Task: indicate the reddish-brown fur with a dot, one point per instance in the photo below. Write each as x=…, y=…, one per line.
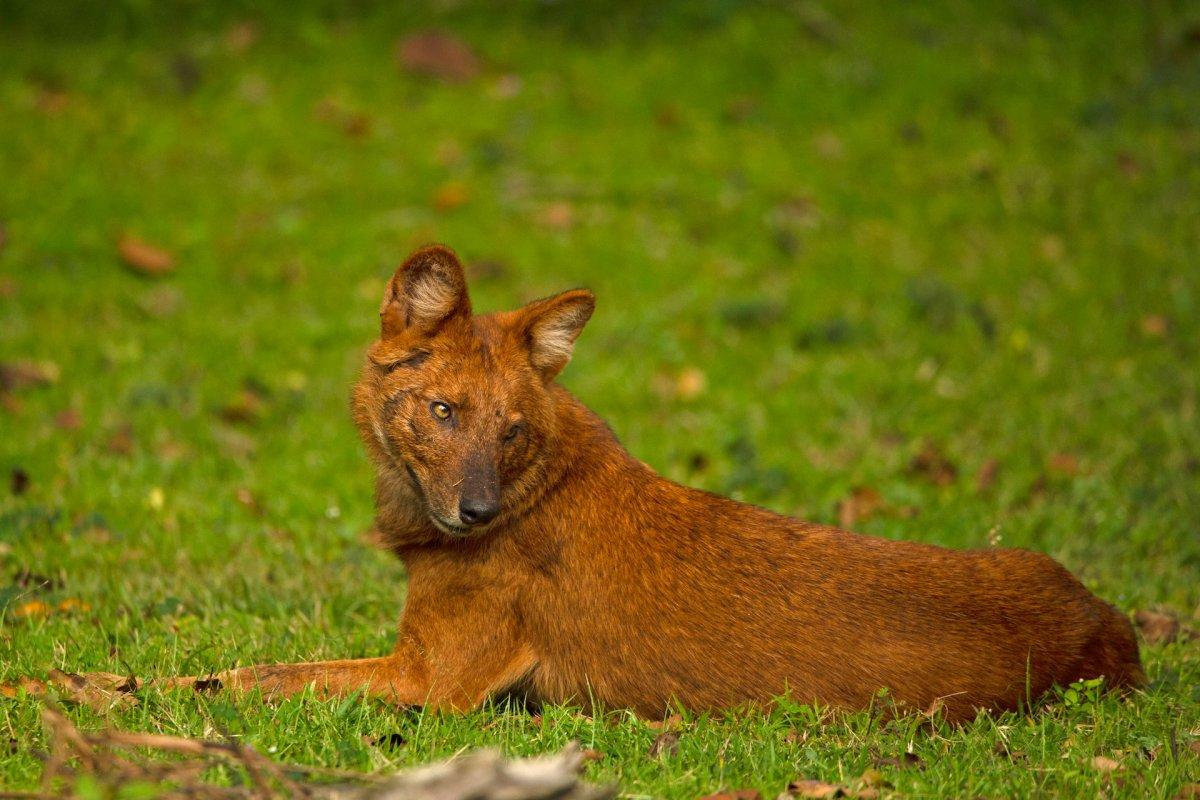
x=599, y=580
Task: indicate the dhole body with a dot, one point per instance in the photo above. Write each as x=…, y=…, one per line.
x=543, y=558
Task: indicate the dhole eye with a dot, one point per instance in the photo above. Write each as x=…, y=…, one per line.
x=440, y=410
x=512, y=431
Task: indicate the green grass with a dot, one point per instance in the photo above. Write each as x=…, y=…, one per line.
x=970, y=225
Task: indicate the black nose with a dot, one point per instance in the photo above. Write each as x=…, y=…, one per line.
x=477, y=511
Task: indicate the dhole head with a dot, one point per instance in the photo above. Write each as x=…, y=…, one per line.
x=458, y=406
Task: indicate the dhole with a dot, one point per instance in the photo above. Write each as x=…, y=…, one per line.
x=543, y=558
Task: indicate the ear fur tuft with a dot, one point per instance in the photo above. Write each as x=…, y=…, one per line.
x=552, y=326
x=428, y=289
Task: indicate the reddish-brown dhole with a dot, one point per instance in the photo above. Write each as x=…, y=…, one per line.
x=543, y=558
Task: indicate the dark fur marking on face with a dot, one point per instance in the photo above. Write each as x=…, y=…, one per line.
x=412, y=476
x=415, y=360
x=390, y=405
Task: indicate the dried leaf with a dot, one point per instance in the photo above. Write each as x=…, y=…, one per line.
x=734, y=794
x=872, y=777
x=1063, y=464
x=32, y=609
x=673, y=722
x=932, y=464
x=145, y=258
x=1157, y=627
x=485, y=270
x=246, y=498
x=905, y=759
x=863, y=503
x=1105, y=764
x=386, y=741
x=558, y=215
x=1189, y=791
x=69, y=419
x=1128, y=164
x=439, y=55
x=241, y=36
x=690, y=383
x=451, y=195
x=794, y=736
x=1155, y=326
x=17, y=375
x=18, y=481
x=31, y=687
x=73, y=605
x=34, y=581
x=121, y=442
x=592, y=754
x=986, y=477
x=815, y=789
x=247, y=407
x=665, y=744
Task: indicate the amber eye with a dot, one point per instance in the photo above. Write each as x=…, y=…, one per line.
x=440, y=410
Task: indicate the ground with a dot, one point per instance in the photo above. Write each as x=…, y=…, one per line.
x=931, y=272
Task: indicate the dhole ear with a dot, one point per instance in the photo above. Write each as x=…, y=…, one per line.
x=427, y=290
x=551, y=327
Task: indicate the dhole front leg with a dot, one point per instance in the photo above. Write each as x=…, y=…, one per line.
x=391, y=678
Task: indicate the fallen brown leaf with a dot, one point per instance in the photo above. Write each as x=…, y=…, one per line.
x=73, y=605
x=31, y=609
x=558, y=215
x=145, y=258
x=1157, y=627
x=734, y=794
x=665, y=744
x=35, y=581
x=814, y=789
x=871, y=777
x=1063, y=464
x=451, y=195
x=246, y=498
x=69, y=419
x=905, y=759
x=1105, y=764
x=986, y=477
x=690, y=383
x=31, y=686
x=1155, y=326
x=121, y=442
x=439, y=55
x=18, y=481
x=592, y=754
x=17, y=375
x=863, y=503
x=794, y=736
x=248, y=406
x=672, y=722
x=241, y=36
x=1128, y=163
x=932, y=464
x=1189, y=791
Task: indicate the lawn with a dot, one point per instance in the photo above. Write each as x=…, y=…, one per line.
x=932, y=272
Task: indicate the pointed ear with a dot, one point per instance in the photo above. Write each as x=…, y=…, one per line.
x=427, y=290
x=551, y=327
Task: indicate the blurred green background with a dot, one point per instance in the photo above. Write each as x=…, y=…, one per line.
x=930, y=271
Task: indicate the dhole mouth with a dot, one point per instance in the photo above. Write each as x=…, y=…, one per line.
x=448, y=527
